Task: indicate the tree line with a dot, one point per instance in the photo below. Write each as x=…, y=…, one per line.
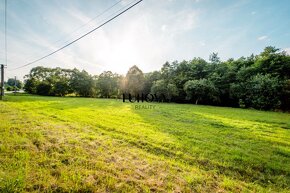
x=259, y=81
x=13, y=85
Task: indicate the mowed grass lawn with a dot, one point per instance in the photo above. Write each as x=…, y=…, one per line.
x=52, y=144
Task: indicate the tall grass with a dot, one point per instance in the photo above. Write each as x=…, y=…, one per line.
x=52, y=144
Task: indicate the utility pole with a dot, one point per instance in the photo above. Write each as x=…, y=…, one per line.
x=15, y=85
x=2, y=82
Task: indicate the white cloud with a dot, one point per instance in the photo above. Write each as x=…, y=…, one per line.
x=183, y=21
x=135, y=38
x=202, y=43
x=163, y=27
x=262, y=38
x=287, y=50
x=145, y=36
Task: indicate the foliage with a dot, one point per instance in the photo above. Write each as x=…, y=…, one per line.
x=285, y=95
x=134, y=81
x=201, y=90
x=150, y=78
x=59, y=82
x=9, y=88
x=260, y=92
x=30, y=85
x=160, y=87
x=44, y=88
x=62, y=88
x=107, y=84
x=11, y=83
x=214, y=82
x=82, y=83
x=273, y=62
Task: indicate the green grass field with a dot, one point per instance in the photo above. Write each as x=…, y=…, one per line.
x=51, y=144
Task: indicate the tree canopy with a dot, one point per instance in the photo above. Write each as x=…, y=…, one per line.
x=11, y=84
x=258, y=81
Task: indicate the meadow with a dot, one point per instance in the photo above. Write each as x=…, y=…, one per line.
x=71, y=144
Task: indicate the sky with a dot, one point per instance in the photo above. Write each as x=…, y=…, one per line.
x=148, y=35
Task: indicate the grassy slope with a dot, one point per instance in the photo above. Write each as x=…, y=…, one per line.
x=81, y=144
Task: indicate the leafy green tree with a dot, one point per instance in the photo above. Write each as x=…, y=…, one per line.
x=214, y=58
x=167, y=71
x=228, y=83
x=57, y=78
x=60, y=81
x=196, y=68
x=9, y=88
x=44, y=88
x=160, y=87
x=107, y=84
x=30, y=85
x=285, y=95
x=11, y=83
x=201, y=90
x=260, y=92
x=214, y=62
x=150, y=78
x=273, y=61
x=61, y=88
x=83, y=84
x=134, y=81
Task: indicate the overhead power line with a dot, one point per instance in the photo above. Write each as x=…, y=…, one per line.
x=109, y=20
x=111, y=15
x=70, y=33
x=101, y=21
x=89, y=21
